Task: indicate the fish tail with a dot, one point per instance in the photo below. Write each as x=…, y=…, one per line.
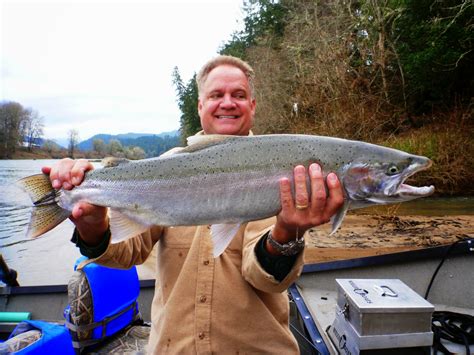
x=46, y=213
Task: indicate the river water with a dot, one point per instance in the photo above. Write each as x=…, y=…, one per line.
x=45, y=260
x=50, y=258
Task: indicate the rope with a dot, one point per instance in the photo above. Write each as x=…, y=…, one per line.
x=454, y=327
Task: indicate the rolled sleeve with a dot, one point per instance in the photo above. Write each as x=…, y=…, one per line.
x=133, y=251
x=91, y=251
x=276, y=265
x=253, y=271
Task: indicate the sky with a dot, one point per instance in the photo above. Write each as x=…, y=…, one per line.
x=105, y=66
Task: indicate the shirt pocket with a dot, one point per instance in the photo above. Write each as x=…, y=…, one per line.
x=178, y=237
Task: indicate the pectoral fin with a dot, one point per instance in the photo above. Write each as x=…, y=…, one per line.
x=337, y=219
x=123, y=227
x=222, y=235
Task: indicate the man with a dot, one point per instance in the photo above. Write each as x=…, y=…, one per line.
x=235, y=303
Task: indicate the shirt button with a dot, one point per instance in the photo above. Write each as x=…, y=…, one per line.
x=206, y=262
x=201, y=335
x=202, y=299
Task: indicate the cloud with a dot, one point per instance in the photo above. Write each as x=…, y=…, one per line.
x=106, y=67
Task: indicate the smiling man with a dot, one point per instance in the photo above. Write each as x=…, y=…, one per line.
x=237, y=302
x=226, y=103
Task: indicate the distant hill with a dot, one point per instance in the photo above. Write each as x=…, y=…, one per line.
x=152, y=144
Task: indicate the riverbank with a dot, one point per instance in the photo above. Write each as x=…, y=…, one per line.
x=38, y=153
x=368, y=235
x=21, y=154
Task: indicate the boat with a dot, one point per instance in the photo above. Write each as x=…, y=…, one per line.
x=442, y=275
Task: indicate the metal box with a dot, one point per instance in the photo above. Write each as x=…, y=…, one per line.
x=379, y=314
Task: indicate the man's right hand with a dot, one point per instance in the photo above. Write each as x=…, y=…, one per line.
x=91, y=221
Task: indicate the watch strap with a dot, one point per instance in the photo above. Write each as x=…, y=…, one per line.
x=293, y=247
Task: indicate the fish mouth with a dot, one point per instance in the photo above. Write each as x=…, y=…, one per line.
x=405, y=190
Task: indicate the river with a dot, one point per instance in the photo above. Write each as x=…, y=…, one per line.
x=50, y=258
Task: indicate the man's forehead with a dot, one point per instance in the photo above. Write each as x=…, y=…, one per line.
x=226, y=72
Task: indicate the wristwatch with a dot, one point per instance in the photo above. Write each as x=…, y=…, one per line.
x=293, y=247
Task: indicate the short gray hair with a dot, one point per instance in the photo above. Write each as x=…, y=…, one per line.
x=225, y=60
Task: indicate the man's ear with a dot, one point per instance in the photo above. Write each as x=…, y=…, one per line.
x=199, y=106
x=254, y=104
x=253, y=107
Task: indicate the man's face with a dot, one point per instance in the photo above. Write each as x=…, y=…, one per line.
x=225, y=105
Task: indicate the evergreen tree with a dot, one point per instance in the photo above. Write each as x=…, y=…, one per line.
x=435, y=43
x=188, y=104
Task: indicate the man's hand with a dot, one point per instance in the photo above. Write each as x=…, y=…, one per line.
x=91, y=221
x=307, y=208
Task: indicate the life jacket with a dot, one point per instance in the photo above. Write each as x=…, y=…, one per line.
x=114, y=298
x=55, y=338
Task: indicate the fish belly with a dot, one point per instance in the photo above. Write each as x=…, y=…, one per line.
x=230, y=197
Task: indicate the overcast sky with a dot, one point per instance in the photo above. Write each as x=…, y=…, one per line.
x=106, y=66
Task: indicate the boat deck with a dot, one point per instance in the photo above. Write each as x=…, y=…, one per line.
x=315, y=293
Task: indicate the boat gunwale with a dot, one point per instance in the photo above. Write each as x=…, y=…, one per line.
x=460, y=247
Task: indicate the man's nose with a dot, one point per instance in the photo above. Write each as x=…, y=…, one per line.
x=227, y=102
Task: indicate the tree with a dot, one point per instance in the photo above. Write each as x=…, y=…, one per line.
x=264, y=20
x=73, y=139
x=50, y=146
x=134, y=153
x=188, y=104
x=12, y=116
x=99, y=146
x=31, y=128
x=434, y=41
x=115, y=148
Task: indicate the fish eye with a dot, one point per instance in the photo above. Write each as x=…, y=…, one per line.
x=392, y=170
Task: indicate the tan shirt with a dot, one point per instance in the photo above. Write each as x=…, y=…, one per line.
x=202, y=305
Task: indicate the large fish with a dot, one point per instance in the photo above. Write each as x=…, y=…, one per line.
x=225, y=181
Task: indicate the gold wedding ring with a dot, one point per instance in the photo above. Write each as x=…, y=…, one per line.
x=301, y=207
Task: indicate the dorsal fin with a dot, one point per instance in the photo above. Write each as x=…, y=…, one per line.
x=199, y=142
x=172, y=151
x=109, y=162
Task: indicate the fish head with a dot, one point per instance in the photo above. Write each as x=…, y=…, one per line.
x=383, y=182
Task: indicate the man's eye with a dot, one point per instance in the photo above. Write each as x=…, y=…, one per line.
x=214, y=96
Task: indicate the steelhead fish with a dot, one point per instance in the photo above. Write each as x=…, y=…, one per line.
x=225, y=181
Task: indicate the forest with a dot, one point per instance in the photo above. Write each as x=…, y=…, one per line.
x=393, y=72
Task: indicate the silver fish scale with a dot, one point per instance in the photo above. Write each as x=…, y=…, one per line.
x=232, y=181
